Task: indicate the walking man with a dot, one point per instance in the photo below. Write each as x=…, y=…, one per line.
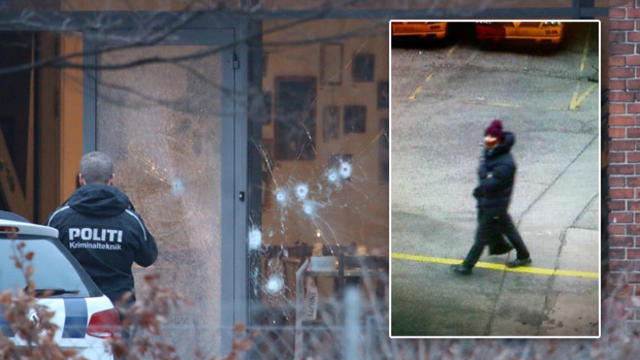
x=102, y=230
x=496, y=175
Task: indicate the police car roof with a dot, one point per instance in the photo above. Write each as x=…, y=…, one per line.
x=25, y=228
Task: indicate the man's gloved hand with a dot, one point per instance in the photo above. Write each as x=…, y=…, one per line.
x=477, y=192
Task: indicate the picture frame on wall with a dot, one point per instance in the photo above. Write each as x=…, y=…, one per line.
x=330, y=123
x=362, y=67
x=355, y=119
x=295, y=118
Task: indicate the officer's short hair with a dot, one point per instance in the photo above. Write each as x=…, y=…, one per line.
x=96, y=168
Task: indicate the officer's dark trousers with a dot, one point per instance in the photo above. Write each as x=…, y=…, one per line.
x=492, y=224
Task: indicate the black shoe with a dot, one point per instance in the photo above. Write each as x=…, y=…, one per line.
x=461, y=269
x=519, y=262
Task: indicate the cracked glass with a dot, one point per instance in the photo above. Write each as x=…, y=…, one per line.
x=161, y=125
x=324, y=174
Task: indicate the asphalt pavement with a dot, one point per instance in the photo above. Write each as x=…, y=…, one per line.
x=443, y=96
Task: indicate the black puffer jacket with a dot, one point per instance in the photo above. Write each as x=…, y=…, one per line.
x=101, y=229
x=496, y=176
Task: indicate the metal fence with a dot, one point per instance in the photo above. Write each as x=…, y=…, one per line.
x=322, y=342
x=348, y=333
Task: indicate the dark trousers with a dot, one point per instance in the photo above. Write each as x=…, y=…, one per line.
x=124, y=331
x=492, y=224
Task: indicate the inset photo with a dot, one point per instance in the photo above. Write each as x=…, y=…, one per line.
x=495, y=133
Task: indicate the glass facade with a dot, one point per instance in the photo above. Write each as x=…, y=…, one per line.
x=161, y=124
x=326, y=195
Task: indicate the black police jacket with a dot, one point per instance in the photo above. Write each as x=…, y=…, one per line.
x=102, y=230
x=496, y=175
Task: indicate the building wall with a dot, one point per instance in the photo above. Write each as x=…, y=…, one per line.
x=71, y=119
x=144, y=5
x=47, y=181
x=124, y=5
x=623, y=156
x=423, y=4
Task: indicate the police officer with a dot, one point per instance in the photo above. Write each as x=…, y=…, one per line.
x=496, y=175
x=102, y=230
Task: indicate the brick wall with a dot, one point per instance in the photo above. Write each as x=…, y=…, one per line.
x=623, y=155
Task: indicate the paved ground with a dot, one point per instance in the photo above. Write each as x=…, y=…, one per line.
x=443, y=97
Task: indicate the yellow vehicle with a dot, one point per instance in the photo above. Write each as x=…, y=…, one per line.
x=429, y=30
x=538, y=31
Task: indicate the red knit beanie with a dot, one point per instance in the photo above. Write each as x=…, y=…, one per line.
x=495, y=130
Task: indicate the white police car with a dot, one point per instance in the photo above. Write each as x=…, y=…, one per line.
x=84, y=316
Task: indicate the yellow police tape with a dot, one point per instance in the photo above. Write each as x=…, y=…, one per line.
x=494, y=266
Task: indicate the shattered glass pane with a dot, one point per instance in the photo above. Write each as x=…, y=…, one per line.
x=163, y=132
x=331, y=204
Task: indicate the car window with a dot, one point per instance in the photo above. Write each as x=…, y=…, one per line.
x=54, y=268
